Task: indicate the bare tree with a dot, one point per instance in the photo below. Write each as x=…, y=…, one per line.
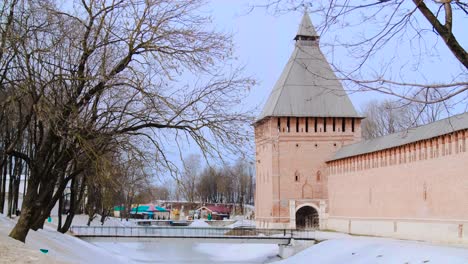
x=242, y=178
x=208, y=185
x=384, y=117
x=190, y=176
x=161, y=192
x=88, y=78
x=226, y=184
x=392, y=42
x=390, y=116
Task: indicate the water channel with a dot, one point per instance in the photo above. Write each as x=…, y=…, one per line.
x=180, y=251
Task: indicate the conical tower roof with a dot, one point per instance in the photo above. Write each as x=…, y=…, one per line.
x=306, y=28
x=308, y=86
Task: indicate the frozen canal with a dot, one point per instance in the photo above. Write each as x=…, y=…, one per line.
x=180, y=251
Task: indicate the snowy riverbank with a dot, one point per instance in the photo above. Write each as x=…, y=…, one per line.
x=367, y=250
x=337, y=249
x=12, y=251
x=62, y=248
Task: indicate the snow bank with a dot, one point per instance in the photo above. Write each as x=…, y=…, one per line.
x=199, y=223
x=242, y=223
x=62, y=247
x=359, y=250
x=12, y=251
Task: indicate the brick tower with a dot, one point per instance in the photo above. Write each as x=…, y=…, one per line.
x=307, y=118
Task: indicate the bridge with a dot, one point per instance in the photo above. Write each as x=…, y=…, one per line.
x=198, y=234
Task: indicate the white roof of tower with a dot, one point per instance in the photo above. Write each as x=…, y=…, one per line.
x=308, y=85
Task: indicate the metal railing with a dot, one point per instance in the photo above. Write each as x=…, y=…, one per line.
x=191, y=232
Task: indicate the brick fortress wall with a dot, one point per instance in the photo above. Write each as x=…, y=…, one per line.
x=414, y=191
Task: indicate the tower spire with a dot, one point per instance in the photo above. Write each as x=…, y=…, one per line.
x=306, y=30
x=308, y=87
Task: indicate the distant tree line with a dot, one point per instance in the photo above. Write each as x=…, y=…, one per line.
x=383, y=117
x=225, y=184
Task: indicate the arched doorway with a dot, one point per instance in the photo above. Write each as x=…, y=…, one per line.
x=307, y=218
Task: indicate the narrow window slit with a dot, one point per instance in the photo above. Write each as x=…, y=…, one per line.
x=297, y=124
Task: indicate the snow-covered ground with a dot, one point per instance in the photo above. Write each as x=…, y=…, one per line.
x=199, y=223
x=242, y=222
x=367, y=250
x=12, y=251
x=61, y=247
x=238, y=223
x=338, y=249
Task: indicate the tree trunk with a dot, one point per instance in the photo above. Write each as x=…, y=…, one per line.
x=2, y=192
x=2, y=175
x=10, y=187
x=47, y=203
x=37, y=203
x=68, y=222
x=26, y=178
x=52, y=188
x=19, y=170
x=59, y=216
x=90, y=219
x=22, y=227
x=75, y=202
x=104, y=214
